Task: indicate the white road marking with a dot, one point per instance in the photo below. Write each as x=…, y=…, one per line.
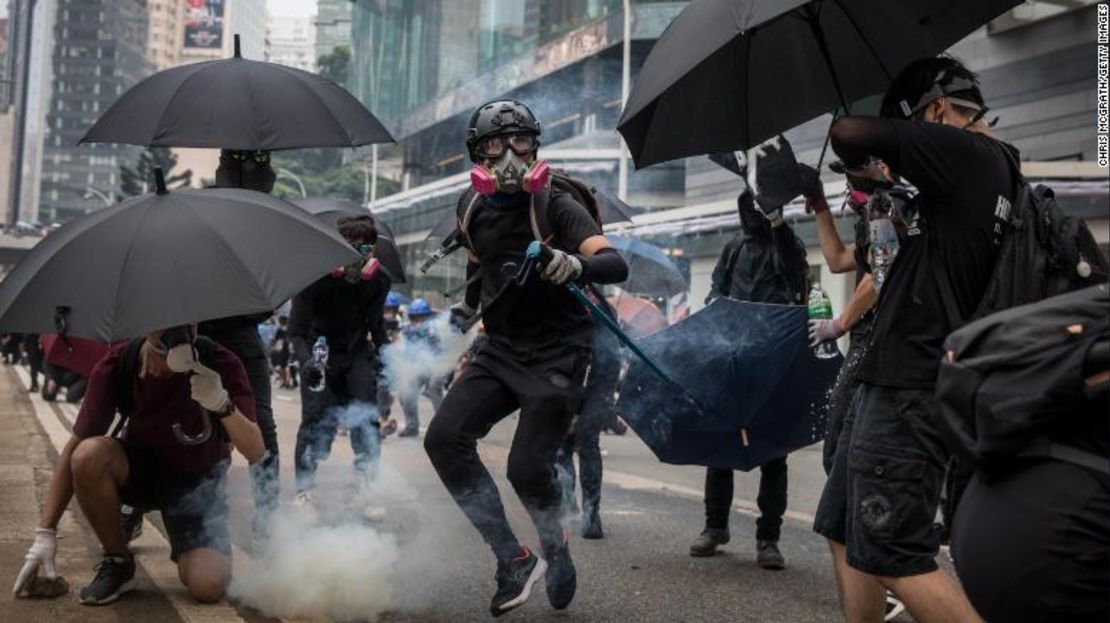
x=153, y=550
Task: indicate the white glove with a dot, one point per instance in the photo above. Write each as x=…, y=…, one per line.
x=41, y=554
x=562, y=268
x=825, y=330
x=207, y=389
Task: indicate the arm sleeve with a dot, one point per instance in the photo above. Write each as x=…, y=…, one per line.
x=98, y=407
x=473, y=295
x=376, y=318
x=300, y=324
x=719, y=279
x=935, y=158
x=605, y=266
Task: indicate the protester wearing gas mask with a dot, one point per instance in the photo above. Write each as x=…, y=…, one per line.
x=765, y=263
x=184, y=403
x=881, y=498
x=538, y=347
x=328, y=328
x=251, y=170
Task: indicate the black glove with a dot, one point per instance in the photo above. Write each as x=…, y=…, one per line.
x=312, y=374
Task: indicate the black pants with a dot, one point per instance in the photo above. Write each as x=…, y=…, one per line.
x=547, y=390
x=771, y=499
x=596, y=411
x=349, y=398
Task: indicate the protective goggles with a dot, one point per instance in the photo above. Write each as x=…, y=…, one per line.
x=364, y=249
x=260, y=156
x=493, y=147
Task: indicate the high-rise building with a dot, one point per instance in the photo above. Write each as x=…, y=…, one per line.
x=333, y=25
x=290, y=40
x=99, y=51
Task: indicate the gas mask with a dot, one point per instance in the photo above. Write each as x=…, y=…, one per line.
x=510, y=174
x=245, y=169
x=176, y=345
x=359, y=270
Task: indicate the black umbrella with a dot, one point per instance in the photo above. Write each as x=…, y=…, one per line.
x=650, y=271
x=166, y=259
x=237, y=104
x=730, y=74
x=330, y=210
x=760, y=392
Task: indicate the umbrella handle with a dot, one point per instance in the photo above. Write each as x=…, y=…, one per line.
x=186, y=439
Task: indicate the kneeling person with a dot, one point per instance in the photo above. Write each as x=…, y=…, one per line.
x=168, y=458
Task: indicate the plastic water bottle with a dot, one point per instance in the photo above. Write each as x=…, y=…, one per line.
x=882, y=236
x=820, y=308
x=320, y=361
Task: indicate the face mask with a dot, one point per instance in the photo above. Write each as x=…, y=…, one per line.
x=510, y=174
x=362, y=270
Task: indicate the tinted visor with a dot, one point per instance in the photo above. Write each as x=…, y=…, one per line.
x=493, y=147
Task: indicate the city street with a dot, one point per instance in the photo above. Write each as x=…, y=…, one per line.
x=641, y=571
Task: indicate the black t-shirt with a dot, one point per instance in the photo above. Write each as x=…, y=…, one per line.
x=539, y=315
x=341, y=311
x=962, y=178
x=762, y=268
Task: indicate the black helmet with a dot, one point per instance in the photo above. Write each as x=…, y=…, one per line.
x=499, y=117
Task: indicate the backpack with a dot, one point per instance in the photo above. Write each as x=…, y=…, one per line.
x=127, y=367
x=1043, y=252
x=1012, y=379
x=539, y=202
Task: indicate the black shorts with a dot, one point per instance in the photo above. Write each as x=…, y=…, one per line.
x=193, y=505
x=881, y=498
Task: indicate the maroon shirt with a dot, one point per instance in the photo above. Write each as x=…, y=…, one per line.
x=159, y=403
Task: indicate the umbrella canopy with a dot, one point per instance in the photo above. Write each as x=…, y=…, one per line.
x=650, y=271
x=761, y=391
x=730, y=74
x=166, y=259
x=73, y=353
x=637, y=316
x=237, y=104
x=330, y=210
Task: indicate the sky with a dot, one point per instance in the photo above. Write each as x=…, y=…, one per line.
x=298, y=8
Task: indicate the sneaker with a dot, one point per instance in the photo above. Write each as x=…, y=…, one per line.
x=115, y=575
x=409, y=432
x=894, y=607
x=515, y=580
x=131, y=522
x=561, y=578
x=768, y=556
x=707, y=542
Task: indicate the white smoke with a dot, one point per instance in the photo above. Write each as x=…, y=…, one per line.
x=407, y=364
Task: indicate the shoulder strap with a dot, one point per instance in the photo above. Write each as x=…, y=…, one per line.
x=124, y=378
x=1068, y=454
x=540, y=217
x=467, y=216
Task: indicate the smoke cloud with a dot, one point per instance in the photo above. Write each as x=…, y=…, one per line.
x=409, y=363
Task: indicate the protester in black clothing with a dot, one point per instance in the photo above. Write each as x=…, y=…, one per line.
x=597, y=409
x=536, y=356
x=32, y=348
x=880, y=501
x=251, y=170
x=766, y=263
x=343, y=308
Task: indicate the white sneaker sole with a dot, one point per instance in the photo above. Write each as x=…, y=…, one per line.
x=537, y=575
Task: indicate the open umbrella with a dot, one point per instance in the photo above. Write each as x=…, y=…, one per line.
x=650, y=271
x=330, y=210
x=760, y=390
x=235, y=103
x=730, y=74
x=166, y=259
x=73, y=353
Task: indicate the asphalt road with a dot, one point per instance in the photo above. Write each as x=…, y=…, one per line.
x=424, y=562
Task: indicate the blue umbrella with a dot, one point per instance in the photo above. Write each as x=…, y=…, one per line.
x=650, y=271
x=760, y=392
